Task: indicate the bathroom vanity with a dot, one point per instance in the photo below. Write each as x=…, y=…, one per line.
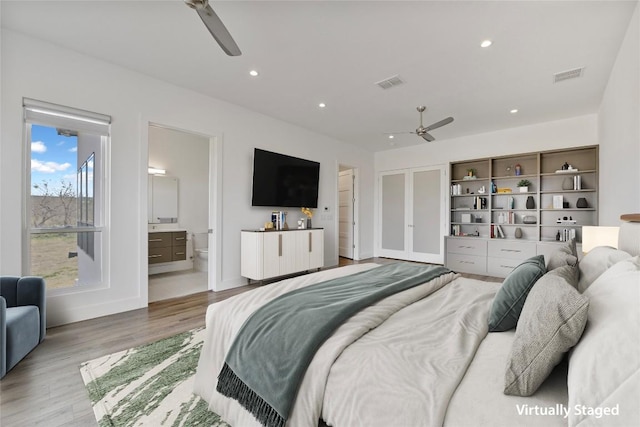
x=168, y=251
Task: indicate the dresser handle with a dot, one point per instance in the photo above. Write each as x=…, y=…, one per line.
x=279, y=244
x=179, y=253
x=155, y=256
x=510, y=250
x=155, y=240
x=507, y=266
x=179, y=238
x=310, y=241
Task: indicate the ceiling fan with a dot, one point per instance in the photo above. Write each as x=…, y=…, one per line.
x=424, y=131
x=215, y=26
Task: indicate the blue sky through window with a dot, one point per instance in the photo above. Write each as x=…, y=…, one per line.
x=53, y=158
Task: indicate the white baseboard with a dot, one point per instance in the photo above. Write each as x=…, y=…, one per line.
x=59, y=313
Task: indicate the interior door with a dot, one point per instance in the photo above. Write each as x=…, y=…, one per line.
x=427, y=214
x=346, y=211
x=412, y=214
x=393, y=214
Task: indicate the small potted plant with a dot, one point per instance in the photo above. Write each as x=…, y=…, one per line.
x=523, y=185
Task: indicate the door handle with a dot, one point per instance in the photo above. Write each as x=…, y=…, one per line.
x=310, y=241
x=279, y=244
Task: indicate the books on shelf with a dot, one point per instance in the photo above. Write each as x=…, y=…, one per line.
x=507, y=217
x=497, y=232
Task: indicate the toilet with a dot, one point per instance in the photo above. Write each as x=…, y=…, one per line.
x=201, y=251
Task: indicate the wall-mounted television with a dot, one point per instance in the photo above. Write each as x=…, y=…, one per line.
x=284, y=181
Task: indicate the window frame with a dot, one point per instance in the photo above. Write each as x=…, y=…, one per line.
x=100, y=186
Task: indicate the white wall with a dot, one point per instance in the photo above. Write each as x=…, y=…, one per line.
x=39, y=70
x=619, y=131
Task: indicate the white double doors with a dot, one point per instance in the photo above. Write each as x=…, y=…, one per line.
x=412, y=221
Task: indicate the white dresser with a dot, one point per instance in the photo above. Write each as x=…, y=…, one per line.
x=494, y=257
x=268, y=254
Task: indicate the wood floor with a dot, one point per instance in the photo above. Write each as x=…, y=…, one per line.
x=46, y=389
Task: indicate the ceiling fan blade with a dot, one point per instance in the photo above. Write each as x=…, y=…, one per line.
x=427, y=137
x=218, y=30
x=441, y=123
x=397, y=133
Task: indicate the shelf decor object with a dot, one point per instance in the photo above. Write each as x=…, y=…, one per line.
x=531, y=204
x=515, y=223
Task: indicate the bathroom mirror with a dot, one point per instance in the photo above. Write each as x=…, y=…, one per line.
x=163, y=199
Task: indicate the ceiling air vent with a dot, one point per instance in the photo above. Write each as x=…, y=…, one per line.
x=569, y=74
x=390, y=82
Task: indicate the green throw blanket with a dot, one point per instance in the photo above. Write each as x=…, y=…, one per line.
x=269, y=357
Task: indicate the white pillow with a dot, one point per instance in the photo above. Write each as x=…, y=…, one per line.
x=604, y=367
x=596, y=262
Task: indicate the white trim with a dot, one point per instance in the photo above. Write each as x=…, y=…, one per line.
x=215, y=204
x=406, y=252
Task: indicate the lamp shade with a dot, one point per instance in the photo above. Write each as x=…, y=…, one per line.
x=593, y=236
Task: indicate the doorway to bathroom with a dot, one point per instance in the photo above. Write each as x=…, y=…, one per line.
x=179, y=220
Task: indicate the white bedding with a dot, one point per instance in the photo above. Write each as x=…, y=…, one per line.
x=430, y=342
x=479, y=399
x=426, y=347
x=225, y=319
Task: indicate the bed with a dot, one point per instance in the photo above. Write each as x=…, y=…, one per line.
x=425, y=356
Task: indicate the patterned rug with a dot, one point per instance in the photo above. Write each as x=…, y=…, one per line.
x=150, y=385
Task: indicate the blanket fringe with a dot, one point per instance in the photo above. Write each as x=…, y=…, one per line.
x=231, y=386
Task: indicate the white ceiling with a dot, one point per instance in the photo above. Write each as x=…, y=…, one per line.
x=334, y=51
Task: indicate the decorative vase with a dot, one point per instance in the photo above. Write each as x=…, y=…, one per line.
x=518, y=233
x=582, y=203
x=567, y=183
x=531, y=204
x=308, y=222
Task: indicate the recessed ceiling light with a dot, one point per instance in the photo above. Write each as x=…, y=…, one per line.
x=515, y=110
x=322, y=105
x=486, y=43
x=390, y=136
x=253, y=73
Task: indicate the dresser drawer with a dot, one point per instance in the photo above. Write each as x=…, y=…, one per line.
x=501, y=267
x=159, y=240
x=179, y=253
x=467, y=246
x=158, y=255
x=467, y=263
x=511, y=249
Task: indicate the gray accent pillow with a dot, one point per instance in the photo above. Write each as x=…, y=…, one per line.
x=567, y=273
x=552, y=321
x=508, y=303
x=566, y=254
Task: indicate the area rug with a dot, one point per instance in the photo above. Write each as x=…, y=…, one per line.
x=150, y=385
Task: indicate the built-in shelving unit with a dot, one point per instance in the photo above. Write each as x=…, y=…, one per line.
x=487, y=203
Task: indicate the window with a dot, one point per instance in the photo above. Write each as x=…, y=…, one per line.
x=65, y=194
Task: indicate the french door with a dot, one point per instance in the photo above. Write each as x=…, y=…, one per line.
x=412, y=214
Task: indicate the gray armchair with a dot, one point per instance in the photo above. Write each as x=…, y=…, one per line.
x=23, y=318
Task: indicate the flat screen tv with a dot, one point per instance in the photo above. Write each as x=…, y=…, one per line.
x=284, y=181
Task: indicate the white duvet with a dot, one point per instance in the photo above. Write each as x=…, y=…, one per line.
x=396, y=363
